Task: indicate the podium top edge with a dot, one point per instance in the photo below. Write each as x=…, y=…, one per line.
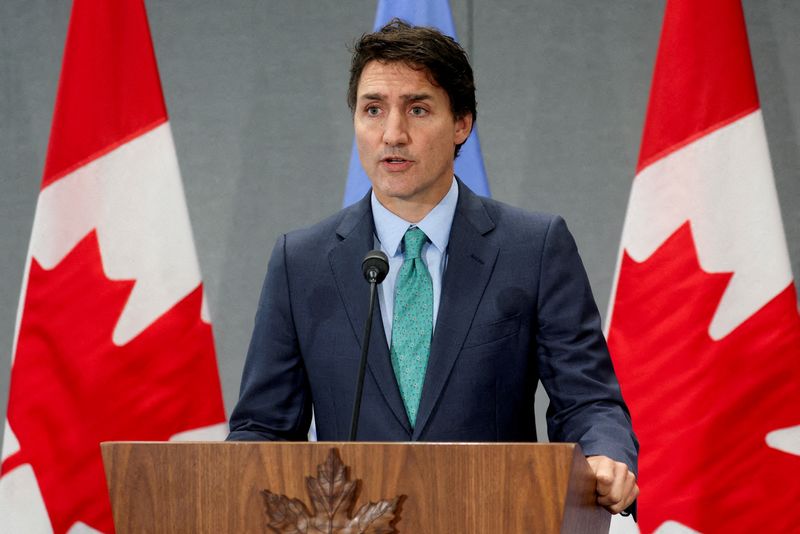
x=341, y=443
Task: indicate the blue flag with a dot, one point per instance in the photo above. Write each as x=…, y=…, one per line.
x=469, y=163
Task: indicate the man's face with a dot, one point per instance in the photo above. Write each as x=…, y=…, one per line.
x=406, y=134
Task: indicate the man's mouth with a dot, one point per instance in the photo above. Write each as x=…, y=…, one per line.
x=396, y=163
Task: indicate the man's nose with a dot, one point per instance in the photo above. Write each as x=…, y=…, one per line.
x=395, y=131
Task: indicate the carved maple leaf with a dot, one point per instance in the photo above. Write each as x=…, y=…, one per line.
x=332, y=498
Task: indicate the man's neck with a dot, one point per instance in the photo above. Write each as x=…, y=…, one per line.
x=413, y=210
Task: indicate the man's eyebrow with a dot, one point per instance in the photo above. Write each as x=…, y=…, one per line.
x=371, y=96
x=415, y=97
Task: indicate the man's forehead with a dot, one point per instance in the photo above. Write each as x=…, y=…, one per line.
x=380, y=75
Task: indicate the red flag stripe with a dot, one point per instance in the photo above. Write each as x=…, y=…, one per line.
x=109, y=91
x=701, y=80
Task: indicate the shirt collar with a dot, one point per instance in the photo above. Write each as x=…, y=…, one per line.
x=390, y=228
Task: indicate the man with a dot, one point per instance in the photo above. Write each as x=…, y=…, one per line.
x=482, y=299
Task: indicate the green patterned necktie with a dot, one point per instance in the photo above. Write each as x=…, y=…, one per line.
x=412, y=323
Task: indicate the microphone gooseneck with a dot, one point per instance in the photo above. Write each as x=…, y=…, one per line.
x=375, y=268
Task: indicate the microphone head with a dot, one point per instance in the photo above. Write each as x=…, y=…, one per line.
x=375, y=266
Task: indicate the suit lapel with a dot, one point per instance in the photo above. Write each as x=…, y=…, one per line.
x=470, y=261
x=356, y=238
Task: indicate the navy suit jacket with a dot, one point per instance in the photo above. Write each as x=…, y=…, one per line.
x=516, y=307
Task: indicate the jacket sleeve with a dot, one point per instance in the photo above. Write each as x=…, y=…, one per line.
x=575, y=367
x=274, y=399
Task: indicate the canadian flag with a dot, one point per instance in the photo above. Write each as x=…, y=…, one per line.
x=704, y=327
x=113, y=340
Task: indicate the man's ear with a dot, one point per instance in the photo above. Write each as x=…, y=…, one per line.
x=463, y=127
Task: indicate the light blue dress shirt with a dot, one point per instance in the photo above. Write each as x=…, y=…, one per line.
x=389, y=231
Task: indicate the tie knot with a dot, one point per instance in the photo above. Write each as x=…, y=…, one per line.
x=413, y=240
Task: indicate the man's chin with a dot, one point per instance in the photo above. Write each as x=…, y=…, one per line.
x=395, y=194
x=401, y=186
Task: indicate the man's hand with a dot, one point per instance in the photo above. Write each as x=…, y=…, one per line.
x=616, y=484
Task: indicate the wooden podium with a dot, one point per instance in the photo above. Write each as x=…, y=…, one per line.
x=417, y=488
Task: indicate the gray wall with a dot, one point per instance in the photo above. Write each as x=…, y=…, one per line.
x=255, y=91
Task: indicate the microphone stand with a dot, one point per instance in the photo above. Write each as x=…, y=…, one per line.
x=372, y=278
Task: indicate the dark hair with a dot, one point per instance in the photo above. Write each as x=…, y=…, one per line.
x=421, y=48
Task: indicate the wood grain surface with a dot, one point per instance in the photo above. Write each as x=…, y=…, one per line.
x=447, y=488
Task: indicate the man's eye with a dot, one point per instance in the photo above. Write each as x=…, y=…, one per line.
x=418, y=111
x=373, y=111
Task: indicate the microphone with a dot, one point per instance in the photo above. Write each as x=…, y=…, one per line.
x=375, y=267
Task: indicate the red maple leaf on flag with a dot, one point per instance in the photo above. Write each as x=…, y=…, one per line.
x=72, y=388
x=704, y=460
